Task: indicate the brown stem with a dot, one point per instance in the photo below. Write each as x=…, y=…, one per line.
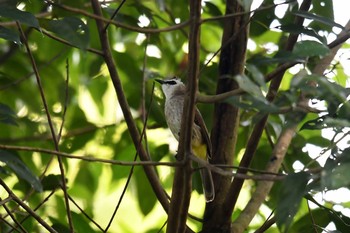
x=182, y=185
x=226, y=116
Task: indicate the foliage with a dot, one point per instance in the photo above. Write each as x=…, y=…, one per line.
x=71, y=159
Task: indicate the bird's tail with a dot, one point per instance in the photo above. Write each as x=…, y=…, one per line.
x=208, y=184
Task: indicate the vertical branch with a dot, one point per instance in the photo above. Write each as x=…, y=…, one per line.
x=52, y=129
x=182, y=185
x=226, y=116
x=135, y=135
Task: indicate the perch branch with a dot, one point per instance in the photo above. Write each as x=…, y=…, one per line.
x=182, y=185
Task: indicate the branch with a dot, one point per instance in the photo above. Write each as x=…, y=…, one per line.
x=99, y=17
x=228, y=16
x=182, y=186
x=134, y=133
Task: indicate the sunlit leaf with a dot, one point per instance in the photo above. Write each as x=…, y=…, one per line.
x=20, y=169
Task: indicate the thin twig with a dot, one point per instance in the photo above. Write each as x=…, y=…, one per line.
x=52, y=129
x=118, y=24
x=65, y=105
x=18, y=224
x=27, y=208
x=114, y=14
x=85, y=214
x=143, y=134
x=91, y=159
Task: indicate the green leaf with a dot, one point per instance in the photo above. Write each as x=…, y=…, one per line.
x=247, y=85
x=261, y=20
x=21, y=170
x=7, y=115
x=10, y=35
x=257, y=76
x=297, y=29
x=81, y=224
x=71, y=29
x=51, y=182
x=253, y=103
x=144, y=192
x=336, y=171
x=318, y=18
x=305, y=223
x=325, y=9
x=21, y=16
x=310, y=49
x=292, y=191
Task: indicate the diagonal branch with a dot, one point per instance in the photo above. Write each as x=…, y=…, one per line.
x=134, y=133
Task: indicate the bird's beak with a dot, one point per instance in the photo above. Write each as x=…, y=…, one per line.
x=159, y=81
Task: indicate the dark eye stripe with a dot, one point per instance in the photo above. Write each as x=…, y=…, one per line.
x=170, y=82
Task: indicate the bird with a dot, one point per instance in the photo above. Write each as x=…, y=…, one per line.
x=174, y=91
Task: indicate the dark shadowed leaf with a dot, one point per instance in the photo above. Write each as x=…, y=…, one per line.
x=71, y=29
x=10, y=35
x=336, y=171
x=7, y=115
x=292, y=191
x=21, y=170
x=305, y=223
x=319, y=18
x=261, y=20
x=21, y=16
x=51, y=182
x=292, y=28
x=310, y=49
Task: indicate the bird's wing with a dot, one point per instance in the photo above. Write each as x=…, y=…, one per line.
x=198, y=120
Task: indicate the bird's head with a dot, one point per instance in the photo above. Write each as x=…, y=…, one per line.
x=171, y=86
